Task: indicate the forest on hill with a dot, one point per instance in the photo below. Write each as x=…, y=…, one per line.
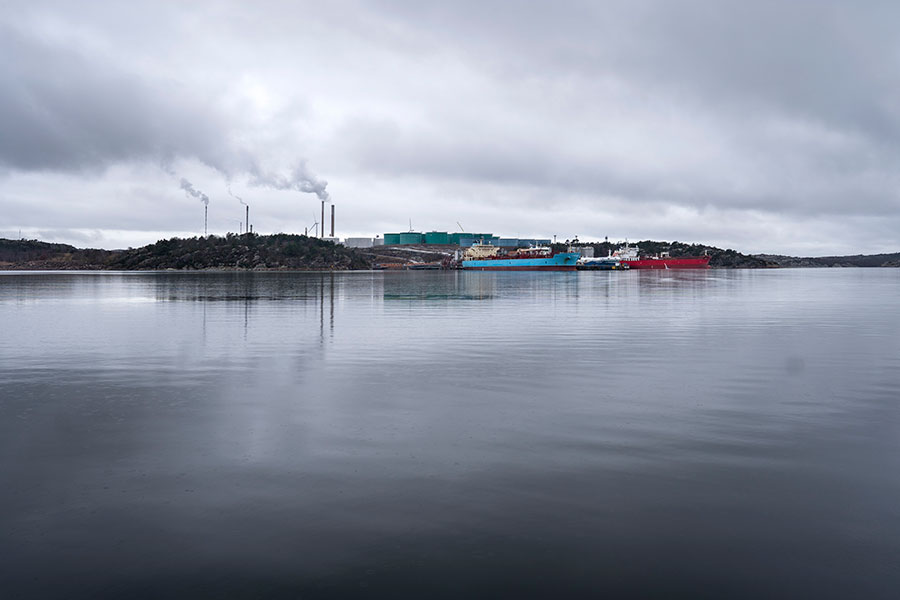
x=244, y=252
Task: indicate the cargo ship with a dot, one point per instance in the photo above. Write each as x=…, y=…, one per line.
x=484, y=257
x=629, y=255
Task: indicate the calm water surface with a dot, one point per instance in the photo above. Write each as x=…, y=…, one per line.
x=646, y=434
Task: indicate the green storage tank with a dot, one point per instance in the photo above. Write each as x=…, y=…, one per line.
x=411, y=238
x=437, y=237
x=457, y=236
x=391, y=239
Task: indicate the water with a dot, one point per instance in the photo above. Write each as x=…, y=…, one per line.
x=427, y=434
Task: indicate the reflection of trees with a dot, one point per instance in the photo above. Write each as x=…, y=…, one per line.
x=247, y=289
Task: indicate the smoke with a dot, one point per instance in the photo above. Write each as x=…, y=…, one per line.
x=300, y=180
x=190, y=191
x=239, y=199
x=305, y=181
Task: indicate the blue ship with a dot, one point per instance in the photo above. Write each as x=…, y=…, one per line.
x=526, y=261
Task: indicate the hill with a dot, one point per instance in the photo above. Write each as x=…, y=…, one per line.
x=34, y=254
x=729, y=258
x=247, y=251
x=858, y=260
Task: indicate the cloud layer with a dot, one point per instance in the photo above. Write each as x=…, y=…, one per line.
x=763, y=126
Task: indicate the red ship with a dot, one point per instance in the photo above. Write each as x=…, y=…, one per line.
x=629, y=256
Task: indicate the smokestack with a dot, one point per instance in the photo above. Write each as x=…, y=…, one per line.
x=323, y=220
x=332, y=220
x=189, y=190
x=247, y=227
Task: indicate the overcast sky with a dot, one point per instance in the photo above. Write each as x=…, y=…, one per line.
x=764, y=126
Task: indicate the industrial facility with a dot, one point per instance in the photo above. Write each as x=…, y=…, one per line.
x=462, y=239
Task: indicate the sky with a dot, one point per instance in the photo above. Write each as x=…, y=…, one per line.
x=765, y=126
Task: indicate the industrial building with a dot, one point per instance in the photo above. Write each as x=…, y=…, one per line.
x=358, y=242
x=441, y=238
x=463, y=239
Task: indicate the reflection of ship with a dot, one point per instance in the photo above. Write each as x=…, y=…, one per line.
x=629, y=256
x=484, y=257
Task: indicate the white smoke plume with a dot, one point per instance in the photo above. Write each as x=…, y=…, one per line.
x=300, y=180
x=189, y=190
x=233, y=195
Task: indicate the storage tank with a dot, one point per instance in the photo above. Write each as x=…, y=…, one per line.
x=411, y=238
x=437, y=237
x=391, y=238
x=470, y=238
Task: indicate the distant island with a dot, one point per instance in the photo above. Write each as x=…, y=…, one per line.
x=299, y=252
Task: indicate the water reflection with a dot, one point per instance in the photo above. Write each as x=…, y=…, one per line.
x=452, y=285
x=300, y=434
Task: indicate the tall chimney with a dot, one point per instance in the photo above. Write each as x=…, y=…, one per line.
x=322, y=231
x=247, y=226
x=332, y=220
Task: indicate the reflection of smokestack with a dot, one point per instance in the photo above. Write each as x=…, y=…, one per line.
x=323, y=220
x=332, y=220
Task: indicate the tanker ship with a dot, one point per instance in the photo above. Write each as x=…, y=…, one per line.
x=629, y=256
x=484, y=257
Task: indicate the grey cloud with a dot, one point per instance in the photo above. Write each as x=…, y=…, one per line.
x=786, y=109
x=829, y=59
x=797, y=178
x=61, y=109
x=830, y=65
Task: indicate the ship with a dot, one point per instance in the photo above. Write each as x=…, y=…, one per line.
x=485, y=257
x=605, y=263
x=629, y=255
